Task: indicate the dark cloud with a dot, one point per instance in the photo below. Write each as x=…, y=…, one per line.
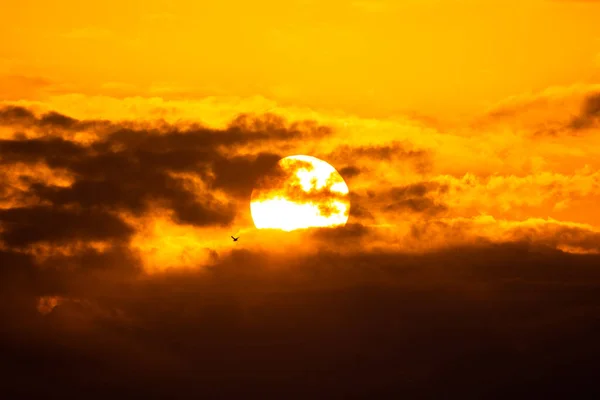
x=341, y=235
x=137, y=191
x=131, y=168
x=521, y=320
x=56, y=119
x=56, y=152
x=359, y=207
x=278, y=126
x=350, y=172
x=554, y=236
x=590, y=113
x=242, y=130
x=396, y=151
x=551, y=113
x=359, y=158
x=417, y=198
x=239, y=175
x=10, y=115
x=16, y=270
x=25, y=226
x=23, y=117
x=417, y=205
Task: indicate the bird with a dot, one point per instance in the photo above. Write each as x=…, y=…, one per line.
x=235, y=239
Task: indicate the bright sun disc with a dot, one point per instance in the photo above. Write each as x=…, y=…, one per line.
x=301, y=192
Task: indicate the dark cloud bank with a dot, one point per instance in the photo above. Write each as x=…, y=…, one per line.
x=517, y=320
x=589, y=115
x=488, y=322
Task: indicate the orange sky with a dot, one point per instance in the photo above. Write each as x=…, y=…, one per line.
x=369, y=58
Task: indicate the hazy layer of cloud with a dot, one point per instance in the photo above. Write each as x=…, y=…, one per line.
x=554, y=111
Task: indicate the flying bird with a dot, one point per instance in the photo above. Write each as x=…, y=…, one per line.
x=235, y=239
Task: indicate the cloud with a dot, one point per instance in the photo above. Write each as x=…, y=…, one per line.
x=394, y=152
x=349, y=172
x=240, y=174
x=414, y=198
x=555, y=111
x=128, y=169
x=543, y=193
x=11, y=115
x=590, y=113
x=56, y=152
x=364, y=316
x=459, y=231
x=117, y=272
x=24, y=226
x=63, y=195
x=343, y=235
x=359, y=208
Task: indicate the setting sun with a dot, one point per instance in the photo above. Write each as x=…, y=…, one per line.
x=302, y=192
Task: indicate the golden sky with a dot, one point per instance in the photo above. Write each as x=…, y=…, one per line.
x=132, y=134
x=369, y=58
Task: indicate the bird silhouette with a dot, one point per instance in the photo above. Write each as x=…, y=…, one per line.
x=235, y=239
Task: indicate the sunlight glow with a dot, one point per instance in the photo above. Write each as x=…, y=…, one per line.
x=279, y=213
x=272, y=208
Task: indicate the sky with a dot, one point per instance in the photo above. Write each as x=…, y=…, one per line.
x=132, y=136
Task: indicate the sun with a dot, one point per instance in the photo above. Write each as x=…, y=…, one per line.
x=300, y=192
